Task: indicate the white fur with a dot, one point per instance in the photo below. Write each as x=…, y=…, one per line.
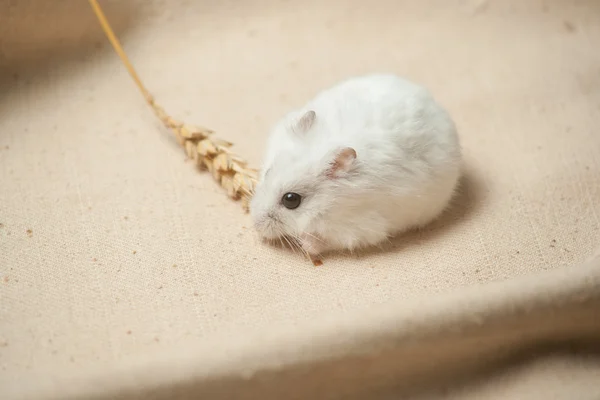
x=405, y=173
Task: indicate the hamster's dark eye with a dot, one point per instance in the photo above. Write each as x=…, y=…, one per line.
x=291, y=200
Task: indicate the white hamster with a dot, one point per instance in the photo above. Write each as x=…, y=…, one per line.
x=364, y=160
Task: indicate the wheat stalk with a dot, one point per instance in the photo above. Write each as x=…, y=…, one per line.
x=209, y=153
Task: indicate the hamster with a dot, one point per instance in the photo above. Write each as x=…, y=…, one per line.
x=363, y=161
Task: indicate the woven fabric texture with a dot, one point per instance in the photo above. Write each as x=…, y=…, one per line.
x=126, y=273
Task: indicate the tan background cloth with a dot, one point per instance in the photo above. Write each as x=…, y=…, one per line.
x=123, y=269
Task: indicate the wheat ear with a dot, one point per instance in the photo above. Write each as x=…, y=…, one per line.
x=199, y=143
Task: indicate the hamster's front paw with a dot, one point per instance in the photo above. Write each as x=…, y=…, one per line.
x=311, y=244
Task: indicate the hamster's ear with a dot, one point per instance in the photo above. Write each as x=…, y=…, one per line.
x=341, y=163
x=305, y=122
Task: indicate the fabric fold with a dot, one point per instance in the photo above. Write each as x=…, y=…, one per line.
x=405, y=346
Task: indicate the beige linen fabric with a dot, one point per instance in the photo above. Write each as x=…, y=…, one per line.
x=125, y=273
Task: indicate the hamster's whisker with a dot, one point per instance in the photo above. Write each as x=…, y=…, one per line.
x=295, y=243
x=295, y=240
x=314, y=237
x=283, y=237
x=304, y=251
x=290, y=244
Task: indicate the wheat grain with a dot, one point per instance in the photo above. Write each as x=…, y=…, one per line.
x=209, y=153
